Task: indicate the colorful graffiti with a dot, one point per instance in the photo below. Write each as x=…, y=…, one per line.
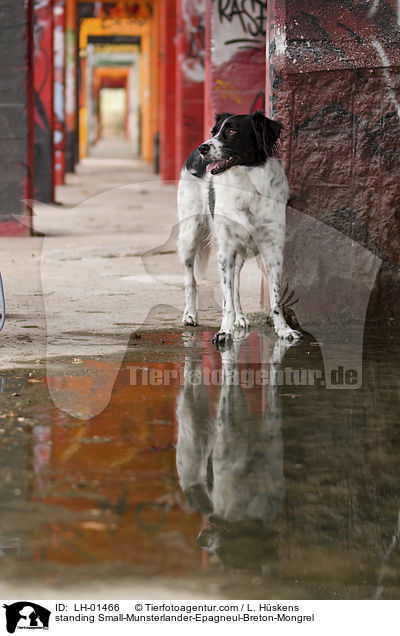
x=43, y=100
x=237, y=55
x=120, y=10
x=238, y=26
x=193, y=14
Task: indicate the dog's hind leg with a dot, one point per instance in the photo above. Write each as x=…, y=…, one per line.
x=273, y=262
x=241, y=321
x=187, y=245
x=193, y=250
x=193, y=236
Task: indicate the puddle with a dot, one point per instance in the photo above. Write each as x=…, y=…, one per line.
x=238, y=472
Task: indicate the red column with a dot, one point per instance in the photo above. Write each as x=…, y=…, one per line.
x=209, y=116
x=167, y=89
x=70, y=85
x=43, y=95
x=59, y=88
x=189, y=78
x=235, y=60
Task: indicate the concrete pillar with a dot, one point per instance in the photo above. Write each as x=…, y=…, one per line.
x=16, y=110
x=167, y=89
x=70, y=85
x=334, y=83
x=59, y=91
x=235, y=58
x=189, y=103
x=44, y=87
x=133, y=104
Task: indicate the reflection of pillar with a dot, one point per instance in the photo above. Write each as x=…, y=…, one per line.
x=70, y=84
x=189, y=78
x=167, y=89
x=235, y=60
x=16, y=114
x=59, y=87
x=43, y=88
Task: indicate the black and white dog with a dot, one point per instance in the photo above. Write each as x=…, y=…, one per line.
x=233, y=188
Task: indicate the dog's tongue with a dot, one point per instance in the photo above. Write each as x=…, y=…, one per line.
x=215, y=164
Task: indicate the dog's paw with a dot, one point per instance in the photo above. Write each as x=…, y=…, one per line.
x=222, y=340
x=241, y=323
x=289, y=334
x=189, y=319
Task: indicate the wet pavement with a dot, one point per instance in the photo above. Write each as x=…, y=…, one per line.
x=210, y=474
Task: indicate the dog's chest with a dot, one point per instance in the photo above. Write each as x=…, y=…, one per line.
x=250, y=194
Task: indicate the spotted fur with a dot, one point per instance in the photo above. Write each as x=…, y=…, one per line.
x=233, y=188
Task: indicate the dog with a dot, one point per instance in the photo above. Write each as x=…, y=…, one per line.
x=233, y=188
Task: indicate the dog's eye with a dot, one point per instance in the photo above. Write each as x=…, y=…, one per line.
x=232, y=131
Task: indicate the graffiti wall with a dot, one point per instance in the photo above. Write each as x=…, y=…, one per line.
x=43, y=100
x=334, y=83
x=237, y=55
x=190, y=47
x=59, y=76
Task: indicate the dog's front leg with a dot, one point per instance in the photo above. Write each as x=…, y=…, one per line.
x=190, y=313
x=241, y=321
x=226, y=265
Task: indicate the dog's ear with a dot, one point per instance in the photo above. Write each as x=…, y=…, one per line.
x=267, y=133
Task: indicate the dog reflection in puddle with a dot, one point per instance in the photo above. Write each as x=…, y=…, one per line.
x=230, y=455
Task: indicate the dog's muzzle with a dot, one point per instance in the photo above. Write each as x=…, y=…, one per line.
x=218, y=166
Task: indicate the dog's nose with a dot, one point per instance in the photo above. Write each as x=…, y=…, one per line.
x=204, y=148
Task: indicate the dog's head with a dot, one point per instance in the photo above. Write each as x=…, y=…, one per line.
x=240, y=140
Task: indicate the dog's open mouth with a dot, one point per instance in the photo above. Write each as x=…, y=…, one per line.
x=216, y=167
